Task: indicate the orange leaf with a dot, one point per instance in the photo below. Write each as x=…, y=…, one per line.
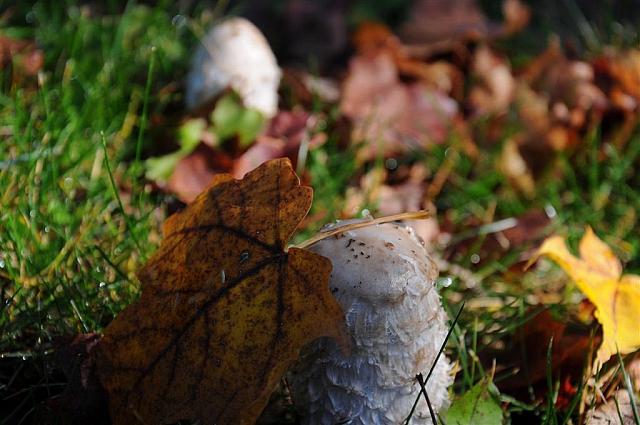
x=597, y=275
x=224, y=309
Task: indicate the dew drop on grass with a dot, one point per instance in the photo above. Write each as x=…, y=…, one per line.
x=445, y=282
x=68, y=183
x=178, y=21
x=475, y=258
x=102, y=284
x=391, y=164
x=31, y=17
x=551, y=212
x=2, y=264
x=53, y=94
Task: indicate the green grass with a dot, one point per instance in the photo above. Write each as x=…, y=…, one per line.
x=78, y=219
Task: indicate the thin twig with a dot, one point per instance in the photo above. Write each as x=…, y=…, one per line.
x=396, y=217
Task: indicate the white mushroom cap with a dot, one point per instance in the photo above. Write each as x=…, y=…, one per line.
x=235, y=54
x=384, y=278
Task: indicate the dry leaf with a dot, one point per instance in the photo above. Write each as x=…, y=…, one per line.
x=284, y=136
x=496, y=86
x=515, y=169
x=24, y=53
x=195, y=172
x=530, y=357
x=83, y=400
x=516, y=16
x=389, y=115
x=436, y=26
x=373, y=38
x=617, y=410
x=598, y=276
x=432, y=21
x=224, y=309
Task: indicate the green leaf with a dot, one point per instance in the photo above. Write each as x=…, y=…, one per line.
x=480, y=405
x=250, y=125
x=190, y=134
x=230, y=118
x=161, y=168
x=226, y=115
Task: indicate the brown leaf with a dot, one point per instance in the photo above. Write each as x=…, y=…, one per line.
x=390, y=115
x=617, y=410
x=436, y=26
x=514, y=167
x=84, y=400
x=305, y=88
x=373, y=38
x=516, y=16
x=224, y=309
x=496, y=86
x=195, y=172
x=529, y=356
x=436, y=20
x=28, y=58
x=283, y=138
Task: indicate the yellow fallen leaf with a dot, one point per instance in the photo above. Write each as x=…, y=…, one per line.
x=598, y=275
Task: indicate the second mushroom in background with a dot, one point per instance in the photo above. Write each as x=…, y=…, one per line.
x=234, y=54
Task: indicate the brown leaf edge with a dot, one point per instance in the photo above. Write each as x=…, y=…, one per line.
x=141, y=388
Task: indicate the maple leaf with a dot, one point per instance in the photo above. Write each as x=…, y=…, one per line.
x=598, y=275
x=224, y=308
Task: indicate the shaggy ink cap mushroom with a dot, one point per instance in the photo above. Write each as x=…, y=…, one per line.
x=235, y=54
x=384, y=278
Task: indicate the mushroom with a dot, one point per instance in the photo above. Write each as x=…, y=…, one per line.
x=236, y=55
x=384, y=279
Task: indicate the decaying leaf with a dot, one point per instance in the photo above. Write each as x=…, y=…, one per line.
x=195, y=172
x=83, y=400
x=435, y=26
x=529, y=357
x=24, y=53
x=224, y=309
x=598, y=275
x=496, y=86
x=285, y=135
x=617, y=410
x=392, y=116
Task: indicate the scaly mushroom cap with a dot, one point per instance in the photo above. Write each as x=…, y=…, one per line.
x=235, y=54
x=384, y=279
